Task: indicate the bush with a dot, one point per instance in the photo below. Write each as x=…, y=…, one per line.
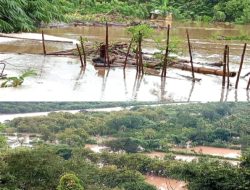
x=69, y=182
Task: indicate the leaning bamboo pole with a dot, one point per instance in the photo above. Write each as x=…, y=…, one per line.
x=107, y=45
x=191, y=56
x=164, y=69
x=80, y=55
x=241, y=64
x=83, y=51
x=44, y=49
x=126, y=58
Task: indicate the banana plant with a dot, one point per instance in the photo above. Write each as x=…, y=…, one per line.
x=17, y=81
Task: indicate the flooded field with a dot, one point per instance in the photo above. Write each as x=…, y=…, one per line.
x=61, y=79
x=189, y=158
x=224, y=152
x=163, y=183
x=161, y=155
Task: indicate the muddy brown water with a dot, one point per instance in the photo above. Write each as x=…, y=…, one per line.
x=60, y=78
x=225, y=152
x=163, y=183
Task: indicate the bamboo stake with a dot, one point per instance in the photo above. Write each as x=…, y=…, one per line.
x=224, y=67
x=44, y=50
x=190, y=54
x=137, y=62
x=80, y=55
x=126, y=59
x=228, y=69
x=107, y=44
x=140, y=55
x=164, y=69
x=83, y=51
x=241, y=63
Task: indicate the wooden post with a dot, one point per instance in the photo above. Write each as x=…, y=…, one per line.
x=224, y=67
x=107, y=45
x=83, y=51
x=44, y=50
x=137, y=59
x=241, y=63
x=164, y=69
x=190, y=54
x=126, y=59
x=228, y=69
x=140, y=55
x=80, y=55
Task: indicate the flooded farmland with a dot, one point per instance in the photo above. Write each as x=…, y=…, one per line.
x=60, y=78
x=163, y=183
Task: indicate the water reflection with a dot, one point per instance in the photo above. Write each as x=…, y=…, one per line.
x=79, y=77
x=61, y=78
x=191, y=91
x=104, y=75
x=136, y=86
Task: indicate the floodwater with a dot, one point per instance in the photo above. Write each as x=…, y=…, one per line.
x=61, y=79
x=224, y=152
x=161, y=155
x=229, y=153
x=163, y=183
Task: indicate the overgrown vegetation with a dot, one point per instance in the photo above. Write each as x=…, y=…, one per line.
x=26, y=15
x=154, y=128
x=221, y=125
x=118, y=171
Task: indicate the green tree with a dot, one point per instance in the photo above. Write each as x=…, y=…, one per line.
x=69, y=181
x=3, y=142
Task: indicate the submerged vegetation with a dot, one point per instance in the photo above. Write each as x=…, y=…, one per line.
x=17, y=81
x=26, y=15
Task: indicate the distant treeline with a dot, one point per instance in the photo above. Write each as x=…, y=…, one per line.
x=28, y=107
x=26, y=15
x=153, y=128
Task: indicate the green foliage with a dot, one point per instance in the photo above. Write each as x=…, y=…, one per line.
x=26, y=107
x=142, y=29
x=17, y=81
x=2, y=138
x=128, y=144
x=213, y=175
x=205, y=10
x=69, y=182
x=154, y=128
x=25, y=15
